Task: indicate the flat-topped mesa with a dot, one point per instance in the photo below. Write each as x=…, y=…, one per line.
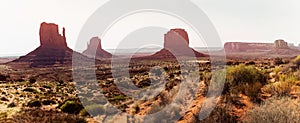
x=94, y=49
x=50, y=37
x=176, y=39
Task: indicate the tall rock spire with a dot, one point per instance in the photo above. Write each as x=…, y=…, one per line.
x=51, y=38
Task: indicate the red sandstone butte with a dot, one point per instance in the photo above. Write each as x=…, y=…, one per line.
x=53, y=49
x=176, y=44
x=51, y=38
x=94, y=49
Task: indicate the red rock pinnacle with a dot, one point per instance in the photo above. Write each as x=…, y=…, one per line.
x=176, y=45
x=50, y=37
x=52, y=51
x=176, y=38
x=95, y=50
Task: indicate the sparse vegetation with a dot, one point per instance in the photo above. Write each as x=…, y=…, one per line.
x=275, y=110
x=71, y=106
x=34, y=103
x=248, y=82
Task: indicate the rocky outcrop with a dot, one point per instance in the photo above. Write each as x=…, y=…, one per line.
x=281, y=44
x=176, y=44
x=53, y=49
x=94, y=49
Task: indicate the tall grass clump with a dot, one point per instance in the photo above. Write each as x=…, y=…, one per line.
x=275, y=110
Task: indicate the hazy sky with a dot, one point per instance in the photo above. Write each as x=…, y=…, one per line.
x=235, y=20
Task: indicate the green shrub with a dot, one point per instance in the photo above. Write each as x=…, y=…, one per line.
x=278, y=61
x=32, y=80
x=297, y=61
x=71, y=106
x=246, y=80
x=242, y=74
x=32, y=90
x=48, y=102
x=34, y=103
x=11, y=105
x=275, y=110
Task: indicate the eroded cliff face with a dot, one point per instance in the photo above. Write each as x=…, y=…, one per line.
x=94, y=49
x=247, y=47
x=51, y=38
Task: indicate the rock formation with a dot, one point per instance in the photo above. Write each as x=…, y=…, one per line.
x=94, y=49
x=281, y=44
x=176, y=44
x=50, y=37
x=53, y=49
x=247, y=47
x=176, y=38
x=279, y=48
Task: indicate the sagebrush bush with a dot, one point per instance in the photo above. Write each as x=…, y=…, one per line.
x=278, y=88
x=32, y=80
x=283, y=86
x=246, y=80
x=275, y=110
x=297, y=61
x=278, y=61
x=71, y=106
x=242, y=74
x=34, y=103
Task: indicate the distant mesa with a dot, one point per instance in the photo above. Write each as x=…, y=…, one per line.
x=281, y=44
x=255, y=47
x=247, y=47
x=94, y=49
x=176, y=43
x=277, y=49
x=53, y=49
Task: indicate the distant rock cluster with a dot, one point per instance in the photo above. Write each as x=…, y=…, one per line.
x=53, y=49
